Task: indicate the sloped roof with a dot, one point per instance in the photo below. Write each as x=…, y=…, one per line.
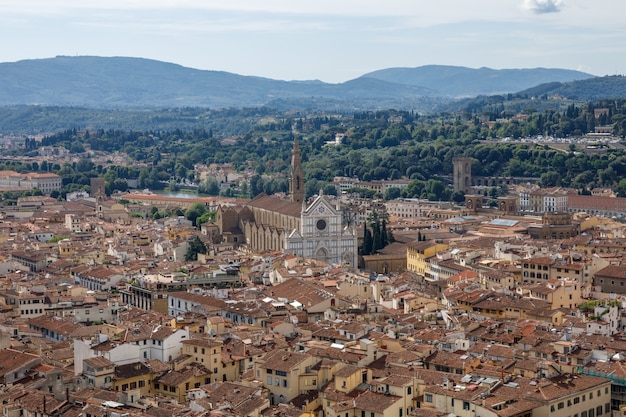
x=275, y=204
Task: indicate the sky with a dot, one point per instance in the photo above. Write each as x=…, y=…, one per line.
x=328, y=40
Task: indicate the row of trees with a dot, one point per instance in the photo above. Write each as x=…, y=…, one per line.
x=375, y=233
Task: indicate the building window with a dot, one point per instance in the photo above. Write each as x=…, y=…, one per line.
x=285, y=383
x=561, y=405
x=466, y=405
x=269, y=380
x=428, y=398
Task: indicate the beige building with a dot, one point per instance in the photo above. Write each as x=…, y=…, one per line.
x=543, y=200
x=286, y=374
x=544, y=268
x=564, y=395
x=563, y=293
x=99, y=372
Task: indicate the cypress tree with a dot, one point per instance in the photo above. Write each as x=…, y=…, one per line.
x=367, y=242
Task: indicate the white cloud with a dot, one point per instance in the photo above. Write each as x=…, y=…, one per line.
x=543, y=6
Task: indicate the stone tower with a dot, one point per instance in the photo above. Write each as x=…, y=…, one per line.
x=97, y=192
x=462, y=171
x=296, y=176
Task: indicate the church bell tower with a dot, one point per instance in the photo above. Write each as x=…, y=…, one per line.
x=296, y=177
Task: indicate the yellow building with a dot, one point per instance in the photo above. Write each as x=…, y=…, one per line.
x=350, y=376
x=176, y=383
x=194, y=322
x=286, y=374
x=208, y=352
x=417, y=254
x=137, y=378
x=217, y=325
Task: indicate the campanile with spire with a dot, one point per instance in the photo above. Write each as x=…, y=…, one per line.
x=296, y=176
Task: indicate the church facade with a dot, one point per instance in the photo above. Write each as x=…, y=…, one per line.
x=322, y=236
x=269, y=223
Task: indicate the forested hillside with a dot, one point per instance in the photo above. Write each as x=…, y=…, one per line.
x=380, y=145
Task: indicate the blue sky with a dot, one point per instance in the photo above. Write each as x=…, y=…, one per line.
x=333, y=41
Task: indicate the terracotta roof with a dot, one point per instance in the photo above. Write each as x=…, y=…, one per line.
x=275, y=204
x=613, y=271
x=280, y=360
x=99, y=362
x=174, y=378
x=12, y=359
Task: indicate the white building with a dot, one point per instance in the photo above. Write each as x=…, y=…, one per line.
x=404, y=208
x=46, y=182
x=606, y=321
x=163, y=343
x=322, y=235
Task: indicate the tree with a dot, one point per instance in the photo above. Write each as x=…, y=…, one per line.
x=208, y=216
x=620, y=189
x=550, y=179
x=196, y=246
x=392, y=193
x=383, y=233
x=209, y=186
x=196, y=210
x=368, y=242
x=458, y=196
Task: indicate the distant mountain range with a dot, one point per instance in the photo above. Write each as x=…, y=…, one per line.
x=459, y=82
x=125, y=83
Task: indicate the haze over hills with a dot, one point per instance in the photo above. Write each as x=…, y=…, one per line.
x=119, y=82
x=467, y=82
